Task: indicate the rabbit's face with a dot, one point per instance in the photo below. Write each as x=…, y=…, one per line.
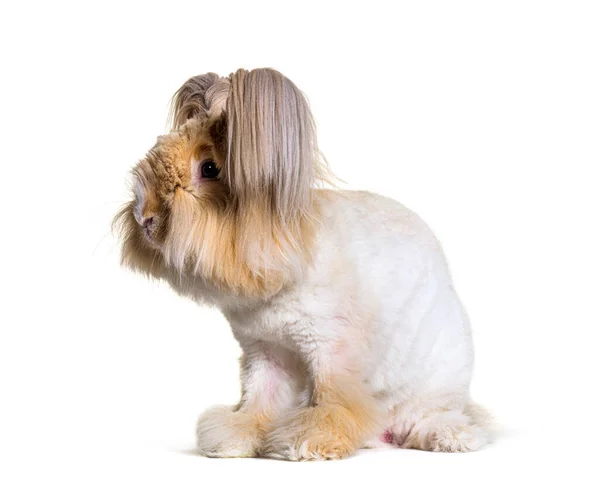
x=177, y=185
x=227, y=196
x=179, y=198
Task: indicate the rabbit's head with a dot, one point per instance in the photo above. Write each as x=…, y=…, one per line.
x=227, y=196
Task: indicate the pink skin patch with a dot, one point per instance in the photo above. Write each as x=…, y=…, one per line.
x=391, y=438
x=387, y=437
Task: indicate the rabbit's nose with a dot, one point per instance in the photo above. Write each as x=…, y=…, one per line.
x=147, y=223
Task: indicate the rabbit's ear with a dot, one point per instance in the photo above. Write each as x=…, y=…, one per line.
x=272, y=146
x=201, y=96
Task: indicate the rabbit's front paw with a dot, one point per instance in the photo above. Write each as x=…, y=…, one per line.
x=311, y=446
x=221, y=432
x=313, y=434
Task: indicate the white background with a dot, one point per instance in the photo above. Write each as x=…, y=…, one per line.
x=484, y=117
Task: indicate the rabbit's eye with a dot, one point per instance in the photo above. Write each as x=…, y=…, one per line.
x=209, y=169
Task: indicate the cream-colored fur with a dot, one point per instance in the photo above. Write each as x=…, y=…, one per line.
x=352, y=332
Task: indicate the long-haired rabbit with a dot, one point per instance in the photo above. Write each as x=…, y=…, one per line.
x=352, y=333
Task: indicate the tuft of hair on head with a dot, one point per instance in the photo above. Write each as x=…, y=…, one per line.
x=272, y=145
x=201, y=96
x=273, y=160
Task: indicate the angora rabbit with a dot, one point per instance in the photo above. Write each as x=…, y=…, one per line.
x=352, y=333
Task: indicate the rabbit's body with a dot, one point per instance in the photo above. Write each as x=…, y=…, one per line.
x=379, y=290
x=378, y=303
x=342, y=301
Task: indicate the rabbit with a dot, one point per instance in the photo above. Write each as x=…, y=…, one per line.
x=352, y=333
